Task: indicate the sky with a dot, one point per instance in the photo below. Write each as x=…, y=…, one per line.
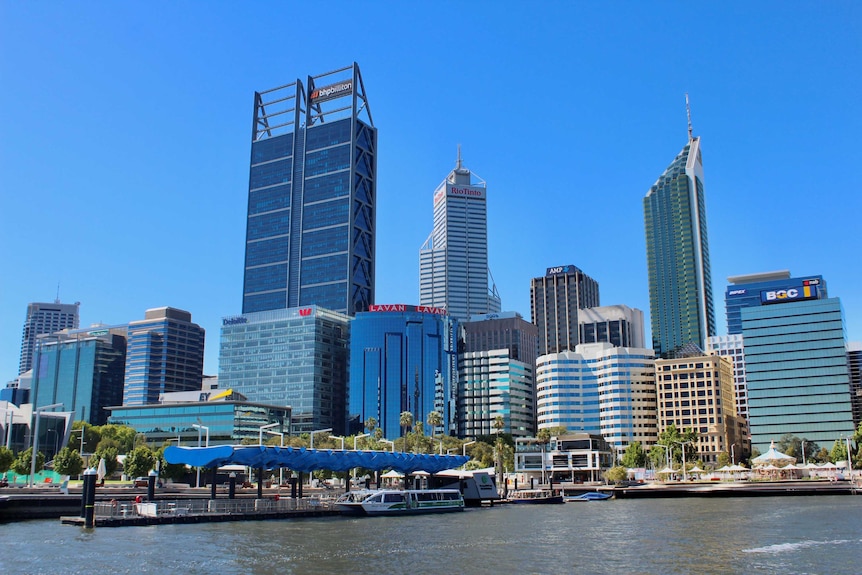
x=125, y=133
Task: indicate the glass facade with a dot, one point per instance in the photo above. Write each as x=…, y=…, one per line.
x=491, y=385
x=82, y=370
x=229, y=422
x=164, y=354
x=295, y=358
x=310, y=236
x=44, y=318
x=797, y=373
x=555, y=301
x=680, y=282
x=742, y=294
x=599, y=389
x=402, y=361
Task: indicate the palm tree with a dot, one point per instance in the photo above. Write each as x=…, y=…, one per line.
x=406, y=421
x=371, y=424
x=435, y=420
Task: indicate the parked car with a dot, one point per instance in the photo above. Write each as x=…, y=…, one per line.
x=141, y=482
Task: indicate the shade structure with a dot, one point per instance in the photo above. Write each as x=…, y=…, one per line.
x=773, y=455
x=302, y=459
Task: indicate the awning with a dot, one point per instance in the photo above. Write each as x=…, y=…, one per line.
x=302, y=459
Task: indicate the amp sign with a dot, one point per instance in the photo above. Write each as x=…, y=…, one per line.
x=558, y=270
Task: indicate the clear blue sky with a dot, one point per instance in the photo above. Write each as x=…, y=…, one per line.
x=125, y=135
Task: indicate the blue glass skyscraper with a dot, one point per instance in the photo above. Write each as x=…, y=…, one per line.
x=402, y=358
x=310, y=236
x=744, y=291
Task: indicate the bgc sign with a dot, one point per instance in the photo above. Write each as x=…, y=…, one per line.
x=808, y=290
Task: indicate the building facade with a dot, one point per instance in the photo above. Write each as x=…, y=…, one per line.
x=744, y=291
x=602, y=390
x=696, y=392
x=44, y=318
x=81, y=369
x=796, y=368
x=619, y=325
x=453, y=261
x=293, y=358
x=680, y=283
x=555, y=301
x=494, y=385
x=226, y=421
x=310, y=237
x=164, y=354
x=733, y=348
x=403, y=358
x=854, y=363
x=569, y=458
x=497, y=375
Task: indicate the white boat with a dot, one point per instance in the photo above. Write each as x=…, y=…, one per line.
x=398, y=502
x=535, y=497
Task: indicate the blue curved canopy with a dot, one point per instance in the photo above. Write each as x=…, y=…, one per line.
x=302, y=459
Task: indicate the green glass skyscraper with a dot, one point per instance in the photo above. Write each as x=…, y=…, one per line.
x=680, y=285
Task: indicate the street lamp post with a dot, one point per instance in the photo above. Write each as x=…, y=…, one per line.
x=683, y=444
x=849, y=459
x=360, y=436
x=392, y=443
x=311, y=434
x=198, y=426
x=804, y=463
x=666, y=453
x=262, y=427
x=732, y=456
x=441, y=445
x=464, y=448
x=339, y=437
x=39, y=411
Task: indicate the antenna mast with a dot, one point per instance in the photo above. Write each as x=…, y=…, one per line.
x=688, y=114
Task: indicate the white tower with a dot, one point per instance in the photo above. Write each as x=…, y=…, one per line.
x=453, y=261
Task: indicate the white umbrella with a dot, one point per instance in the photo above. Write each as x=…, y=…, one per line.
x=101, y=471
x=724, y=469
x=695, y=469
x=667, y=470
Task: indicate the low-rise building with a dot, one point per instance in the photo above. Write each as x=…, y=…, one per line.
x=570, y=458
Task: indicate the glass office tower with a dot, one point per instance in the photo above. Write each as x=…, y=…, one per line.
x=555, y=301
x=310, y=237
x=292, y=357
x=453, y=261
x=44, y=318
x=402, y=358
x=164, y=354
x=744, y=291
x=796, y=368
x=680, y=285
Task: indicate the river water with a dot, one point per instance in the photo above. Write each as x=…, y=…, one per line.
x=799, y=535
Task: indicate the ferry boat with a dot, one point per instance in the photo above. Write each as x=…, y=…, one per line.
x=398, y=502
x=534, y=497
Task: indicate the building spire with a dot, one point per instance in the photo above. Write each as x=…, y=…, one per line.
x=688, y=113
x=458, y=161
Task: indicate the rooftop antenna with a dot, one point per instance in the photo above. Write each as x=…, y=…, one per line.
x=688, y=113
x=458, y=162
x=58, y=293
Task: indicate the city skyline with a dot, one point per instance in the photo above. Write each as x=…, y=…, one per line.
x=97, y=161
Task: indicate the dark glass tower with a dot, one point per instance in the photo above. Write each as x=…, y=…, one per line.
x=680, y=285
x=555, y=300
x=310, y=237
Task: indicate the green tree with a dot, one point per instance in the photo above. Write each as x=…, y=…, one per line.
x=499, y=424
x=822, y=456
x=434, y=420
x=92, y=436
x=634, y=456
x=68, y=462
x=838, y=452
x=677, y=440
x=616, y=474
x=122, y=434
x=723, y=459
x=6, y=459
x=371, y=424
x=406, y=422
x=139, y=462
x=108, y=451
x=21, y=464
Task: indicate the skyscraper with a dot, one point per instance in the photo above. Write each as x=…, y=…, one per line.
x=453, y=261
x=618, y=325
x=680, y=284
x=44, y=318
x=744, y=291
x=310, y=236
x=555, y=300
x=164, y=354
